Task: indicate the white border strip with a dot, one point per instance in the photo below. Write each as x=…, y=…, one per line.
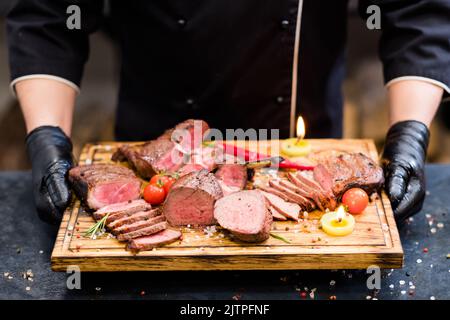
x=43, y=76
x=429, y=80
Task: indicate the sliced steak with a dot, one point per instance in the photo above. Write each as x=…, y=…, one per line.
x=245, y=214
x=188, y=168
x=135, y=217
x=345, y=171
x=276, y=214
x=162, y=154
x=122, y=207
x=322, y=198
x=191, y=199
x=138, y=225
x=291, y=186
x=155, y=240
x=292, y=195
x=288, y=209
x=231, y=177
x=143, y=232
x=99, y=185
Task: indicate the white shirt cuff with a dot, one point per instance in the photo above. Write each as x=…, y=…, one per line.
x=43, y=76
x=429, y=80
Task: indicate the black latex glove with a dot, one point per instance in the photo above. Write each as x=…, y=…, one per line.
x=50, y=152
x=403, y=161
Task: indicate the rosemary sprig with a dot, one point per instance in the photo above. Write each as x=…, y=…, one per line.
x=277, y=236
x=99, y=225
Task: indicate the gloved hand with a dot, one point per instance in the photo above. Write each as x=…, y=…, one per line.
x=50, y=152
x=403, y=161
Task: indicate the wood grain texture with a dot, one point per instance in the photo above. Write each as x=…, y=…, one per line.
x=375, y=240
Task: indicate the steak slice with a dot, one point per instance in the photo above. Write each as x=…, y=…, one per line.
x=288, y=209
x=143, y=232
x=276, y=215
x=293, y=196
x=231, y=177
x=128, y=207
x=162, y=154
x=99, y=185
x=245, y=214
x=322, y=198
x=191, y=199
x=188, y=168
x=345, y=171
x=289, y=185
x=138, y=225
x=135, y=217
x=155, y=240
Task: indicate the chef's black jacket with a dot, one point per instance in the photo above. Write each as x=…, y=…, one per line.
x=227, y=62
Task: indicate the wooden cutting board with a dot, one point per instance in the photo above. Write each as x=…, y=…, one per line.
x=375, y=240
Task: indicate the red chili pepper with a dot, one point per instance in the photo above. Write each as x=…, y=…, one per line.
x=243, y=153
x=286, y=164
x=303, y=294
x=425, y=250
x=255, y=156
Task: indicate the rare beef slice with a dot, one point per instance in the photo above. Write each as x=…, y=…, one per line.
x=232, y=177
x=164, y=154
x=99, y=185
x=191, y=199
x=245, y=214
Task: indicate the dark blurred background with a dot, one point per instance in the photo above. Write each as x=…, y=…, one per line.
x=365, y=104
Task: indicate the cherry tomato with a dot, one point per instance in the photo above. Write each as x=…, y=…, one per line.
x=154, y=194
x=356, y=200
x=163, y=181
x=168, y=184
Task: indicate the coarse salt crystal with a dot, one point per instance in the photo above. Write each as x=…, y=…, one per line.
x=428, y=216
x=412, y=287
x=332, y=283
x=433, y=230
x=70, y=228
x=432, y=298
x=403, y=292
x=28, y=288
x=401, y=282
x=419, y=260
x=41, y=251
x=368, y=297
x=391, y=286
x=440, y=225
x=411, y=219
